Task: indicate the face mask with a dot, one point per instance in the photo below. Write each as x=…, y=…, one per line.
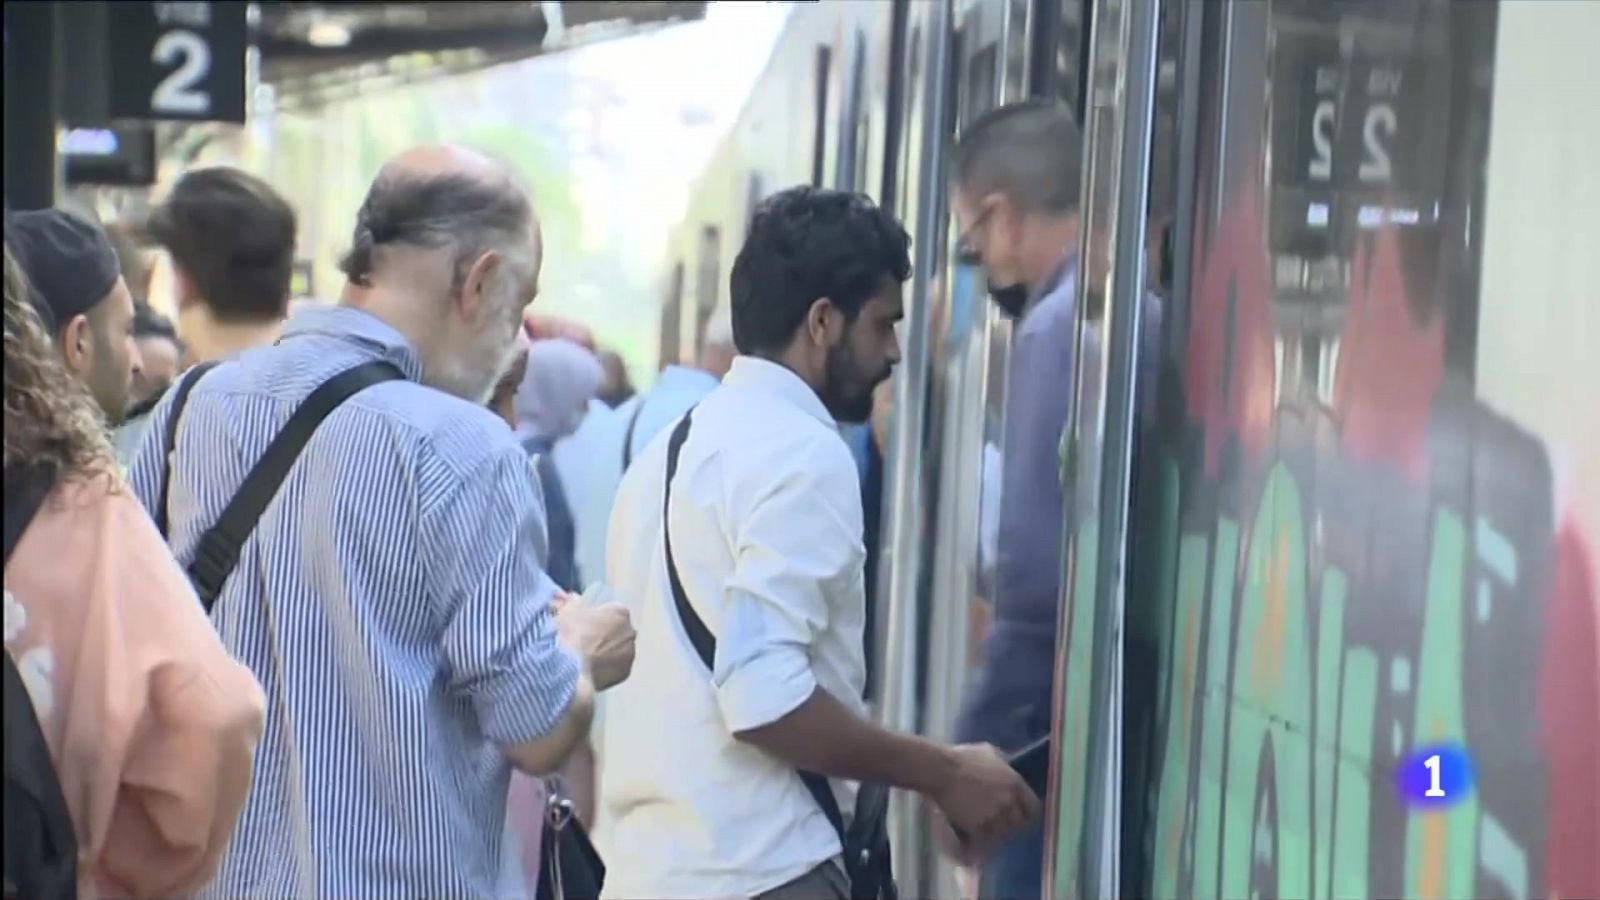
x=1011, y=298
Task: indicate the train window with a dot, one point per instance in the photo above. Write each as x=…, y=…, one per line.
x=819, y=144
x=755, y=192
x=847, y=168
x=1072, y=53
x=981, y=91
x=672, y=318
x=1043, y=41
x=894, y=113
x=706, y=282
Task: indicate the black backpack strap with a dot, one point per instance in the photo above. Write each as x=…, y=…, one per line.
x=219, y=548
x=705, y=644
x=627, y=437
x=179, y=398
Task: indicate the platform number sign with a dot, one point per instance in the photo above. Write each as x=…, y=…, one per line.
x=1371, y=107
x=178, y=60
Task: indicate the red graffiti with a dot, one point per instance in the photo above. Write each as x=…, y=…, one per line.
x=1569, y=720
x=1389, y=365
x=1228, y=362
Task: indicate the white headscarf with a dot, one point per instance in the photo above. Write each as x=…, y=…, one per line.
x=554, y=395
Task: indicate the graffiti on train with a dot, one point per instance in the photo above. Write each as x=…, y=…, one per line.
x=1348, y=581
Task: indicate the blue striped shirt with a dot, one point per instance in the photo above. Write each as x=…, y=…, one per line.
x=392, y=605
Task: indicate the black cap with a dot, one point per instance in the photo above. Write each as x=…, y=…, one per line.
x=70, y=263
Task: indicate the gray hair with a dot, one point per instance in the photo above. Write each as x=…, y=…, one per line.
x=463, y=212
x=1030, y=151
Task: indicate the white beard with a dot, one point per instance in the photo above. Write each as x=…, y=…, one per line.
x=473, y=374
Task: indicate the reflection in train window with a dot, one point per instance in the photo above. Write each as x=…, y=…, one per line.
x=980, y=91
x=755, y=192
x=894, y=114
x=819, y=143
x=848, y=164
x=671, y=318
x=1071, y=53
x=706, y=282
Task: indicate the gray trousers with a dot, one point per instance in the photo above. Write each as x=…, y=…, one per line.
x=825, y=882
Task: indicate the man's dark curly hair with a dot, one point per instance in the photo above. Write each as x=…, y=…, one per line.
x=805, y=244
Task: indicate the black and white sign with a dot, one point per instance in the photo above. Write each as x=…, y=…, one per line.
x=177, y=60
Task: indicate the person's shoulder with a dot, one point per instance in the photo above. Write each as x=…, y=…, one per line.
x=1055, y=309
x=462, y=436
x=94, y=520
x=83, y=499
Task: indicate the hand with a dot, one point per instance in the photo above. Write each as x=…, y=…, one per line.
x=984, y=799
x=601, y=635
x=950, y=844
x=968, y=882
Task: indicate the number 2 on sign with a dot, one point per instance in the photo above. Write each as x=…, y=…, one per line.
x=1433, y=790
x=180, y=91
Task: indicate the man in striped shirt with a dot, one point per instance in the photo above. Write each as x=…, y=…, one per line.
x=391, y=599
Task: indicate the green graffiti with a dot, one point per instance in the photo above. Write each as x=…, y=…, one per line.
x=1330, y=642
x=1214, y=703
x=1502, y=858
x=1174, y=804
x=1167, y=552
x=1352, y=787
x=1440, y=845
x=1075, y=714
x=1248, y=679
x=1272, y=695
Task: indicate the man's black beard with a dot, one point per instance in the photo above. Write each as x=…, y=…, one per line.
x=846, y=394
x=147, y=404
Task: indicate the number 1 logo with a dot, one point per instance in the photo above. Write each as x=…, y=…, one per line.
x=1435, y=776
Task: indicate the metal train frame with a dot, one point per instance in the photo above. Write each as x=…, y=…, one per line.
x=1363, y=514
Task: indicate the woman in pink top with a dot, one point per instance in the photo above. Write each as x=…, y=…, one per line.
x=150, y=724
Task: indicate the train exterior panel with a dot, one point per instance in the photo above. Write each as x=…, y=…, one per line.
x=816, y=116
x=1363, y=516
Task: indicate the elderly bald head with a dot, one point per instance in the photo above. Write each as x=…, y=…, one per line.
x=446, y=248
x=442, y=198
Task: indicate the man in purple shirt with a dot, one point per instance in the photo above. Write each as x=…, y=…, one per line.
x=1016, y=201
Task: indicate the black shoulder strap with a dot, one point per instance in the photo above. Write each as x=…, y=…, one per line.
x=179, y=399
x=219, y=548
x=627, y=438
x=705, y=644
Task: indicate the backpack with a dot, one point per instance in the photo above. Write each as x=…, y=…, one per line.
x=41, y=849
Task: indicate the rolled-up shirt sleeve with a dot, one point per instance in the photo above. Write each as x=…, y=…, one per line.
x=483, y=544
x=798, y=546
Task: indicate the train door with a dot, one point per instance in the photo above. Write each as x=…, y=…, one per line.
x=987, y=586
x=1369, y=511
x=968, y=341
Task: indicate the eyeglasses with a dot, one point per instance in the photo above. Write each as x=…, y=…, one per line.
x=966, y=251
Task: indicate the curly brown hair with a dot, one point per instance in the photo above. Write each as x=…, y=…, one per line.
x=52, y=426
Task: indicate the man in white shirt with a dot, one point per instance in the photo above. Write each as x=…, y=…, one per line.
x=701, y=787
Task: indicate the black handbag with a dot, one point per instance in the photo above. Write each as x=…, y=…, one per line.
x=569, y=866
x=867, y=861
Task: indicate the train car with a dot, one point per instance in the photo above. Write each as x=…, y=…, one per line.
x=819, y=114
x=1362, y=520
